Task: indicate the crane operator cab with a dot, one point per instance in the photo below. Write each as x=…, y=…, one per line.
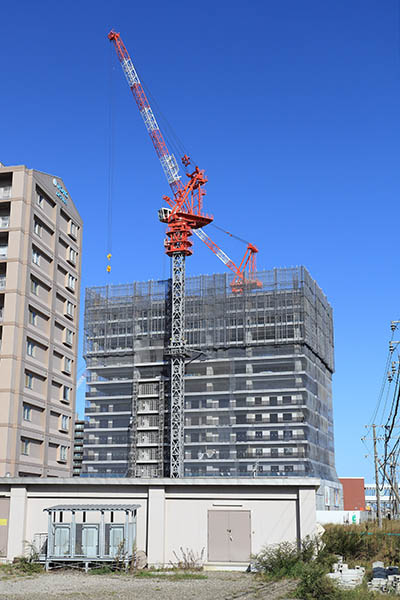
x=163, y=214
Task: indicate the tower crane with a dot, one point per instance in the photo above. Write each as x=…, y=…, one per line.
x=183, y=217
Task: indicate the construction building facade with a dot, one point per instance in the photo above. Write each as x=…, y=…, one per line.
x=40, y=265
x=258, y=398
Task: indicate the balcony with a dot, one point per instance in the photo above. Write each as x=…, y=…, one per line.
x=4, y=222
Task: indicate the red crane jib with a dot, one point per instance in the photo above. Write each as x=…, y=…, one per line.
x=186, y=204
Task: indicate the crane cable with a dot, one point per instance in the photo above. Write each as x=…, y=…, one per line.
x=110, y=186
x=232, y=235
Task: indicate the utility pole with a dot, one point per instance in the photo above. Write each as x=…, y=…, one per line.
x=378, y=499
x=393, y=483
x=395, y=492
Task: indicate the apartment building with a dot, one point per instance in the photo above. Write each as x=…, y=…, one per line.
x=258, y=398
x=40, y=262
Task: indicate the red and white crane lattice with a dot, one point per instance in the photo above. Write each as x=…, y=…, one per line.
x=183, y=217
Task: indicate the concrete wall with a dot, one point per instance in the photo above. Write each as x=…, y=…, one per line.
x=172, y=513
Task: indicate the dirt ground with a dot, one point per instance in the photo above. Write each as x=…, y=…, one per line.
x=69, y=585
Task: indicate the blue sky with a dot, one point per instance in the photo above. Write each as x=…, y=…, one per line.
x=292, y=108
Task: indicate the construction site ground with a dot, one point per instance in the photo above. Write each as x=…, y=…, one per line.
x=70, y=585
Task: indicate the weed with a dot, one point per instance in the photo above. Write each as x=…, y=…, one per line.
x=189, y=561
x=105, y=570
x=169, y=575
x=19, y=568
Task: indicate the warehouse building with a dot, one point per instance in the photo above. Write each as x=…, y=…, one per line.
x=220, y=521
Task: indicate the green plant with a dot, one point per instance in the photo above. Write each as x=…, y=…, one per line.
x=169, y=575
x=23, y=565
x=105, y=570
x=280, y=560
x=286, y=559
x=314, y=585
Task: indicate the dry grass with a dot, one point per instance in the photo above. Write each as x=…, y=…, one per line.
x=364, y=543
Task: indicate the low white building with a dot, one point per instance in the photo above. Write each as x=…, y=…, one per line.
x=226, y=520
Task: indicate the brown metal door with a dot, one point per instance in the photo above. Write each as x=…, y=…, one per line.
x=229, y=535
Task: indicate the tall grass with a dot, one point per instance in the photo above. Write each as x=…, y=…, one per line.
x=358, y=544
x=364, y=543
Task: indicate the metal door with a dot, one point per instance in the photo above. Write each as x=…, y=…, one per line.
x=90, y=540
x=61, y=540
x=229, y=535
x=116, y=539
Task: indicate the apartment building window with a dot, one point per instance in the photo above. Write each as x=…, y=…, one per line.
x=63, y=454
x=72, y=255
x=32, y=317
x=258, y=434
x=40, y=200
x=257, y=400
x=70, y=309
x=273, y=435
x=289, y=468
x=273, y=401
x=69, y=337
x=71, y=282
x=288, y=451
x=34, y=287
x=287, y=416
x=273, y=417
x=64, y=422
x=241, y=419
x=25, y=446
x=287, y=434
x=66, y=393
x=29, y=380
x=259, y=451
x=67, y=364
x=27, y=412
x=73, y=230
x=35, y=257
x=274, y=451
x=286, y=399
x=37, y=228
x=258, y=418
x=274, y=469
x=30, y=348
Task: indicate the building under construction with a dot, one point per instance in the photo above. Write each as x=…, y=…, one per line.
x=259, y=366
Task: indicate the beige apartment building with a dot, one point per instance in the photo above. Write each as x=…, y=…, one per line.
x=40, y=259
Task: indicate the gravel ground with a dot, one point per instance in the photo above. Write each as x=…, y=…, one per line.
x=69, y=585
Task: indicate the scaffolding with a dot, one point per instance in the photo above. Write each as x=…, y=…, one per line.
x=236, y=345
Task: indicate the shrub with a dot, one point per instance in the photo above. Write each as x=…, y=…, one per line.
x=23, y=565
x=315, y=585
x=342, y=540
x=285, y=559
